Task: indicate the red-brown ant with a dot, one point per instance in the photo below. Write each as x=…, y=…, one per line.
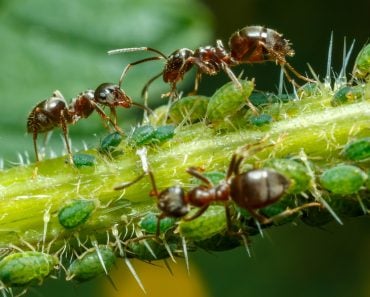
x=250, y=190
x=252, y=44
x=55, y=112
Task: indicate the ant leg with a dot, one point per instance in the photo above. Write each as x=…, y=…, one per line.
x=144, y=91
x=133, y=64
x=198, y=77
x=65, y=135
x=197, y=214
x=297, y=74
x=103, y=115
x=127, y=184
x=197, y=174
x=35, y=143
x=288, y=212
x=236, y=81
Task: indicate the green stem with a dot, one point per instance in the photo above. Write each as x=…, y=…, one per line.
x=29, y=194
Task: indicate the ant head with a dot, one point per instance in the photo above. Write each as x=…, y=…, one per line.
x=82, y=106
x=172, y=202
x=280, y=45
x=112, y=95
x=177, y=65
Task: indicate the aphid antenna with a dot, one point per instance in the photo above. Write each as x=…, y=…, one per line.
x=296, y=97
x=185, y=251
x=315, y=192
x=341, y=80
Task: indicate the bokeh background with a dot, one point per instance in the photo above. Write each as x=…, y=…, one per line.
x=49, y=45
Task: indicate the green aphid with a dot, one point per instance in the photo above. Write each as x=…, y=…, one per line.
x=296, y=172
x=211, y=222
x=309, y=90
x=83, y=160
x=149, y=223
x=91, y=264
x=362, y=63
x=26, y=268
x=260, y=120
x=357, y=150
x=343, y=179
x=191, y=109
x=157, y=251
x=228, y=99
x=76, y=213
x=347, y=95
x=110, y=142
x=163, y=133
x=142, y=135
x=219, y=242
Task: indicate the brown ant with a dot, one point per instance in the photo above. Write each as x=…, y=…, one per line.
x=250, y=190
x=252, y=44
x=55, y=112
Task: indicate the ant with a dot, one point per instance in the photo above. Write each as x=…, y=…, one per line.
x=250, y=190
x=55, y=112
x=251, y=44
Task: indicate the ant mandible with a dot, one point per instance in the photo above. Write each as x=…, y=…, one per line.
x=250, y=190
x=252, y=44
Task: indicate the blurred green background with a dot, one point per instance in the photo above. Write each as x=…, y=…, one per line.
x=49, y=45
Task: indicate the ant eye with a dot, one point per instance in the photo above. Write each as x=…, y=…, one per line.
x=104, y=92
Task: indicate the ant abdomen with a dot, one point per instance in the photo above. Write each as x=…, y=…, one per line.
x=258, y=188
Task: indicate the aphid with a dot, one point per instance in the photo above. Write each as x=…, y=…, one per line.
x=362, y=64
x=251, y=44
x=76, y=213
x=156, y=250
x=347, y=95
x=357, y=150
x=296, y=172
x=55, y=112
x=26, y=268
x=147, y=134
x=83, y=160
x=260, y=120
x=210, y=223
x=110, y=142
x=91, y=264
x=250, y=190
x=343, y=179
x=149, y=223
x=190, y=109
